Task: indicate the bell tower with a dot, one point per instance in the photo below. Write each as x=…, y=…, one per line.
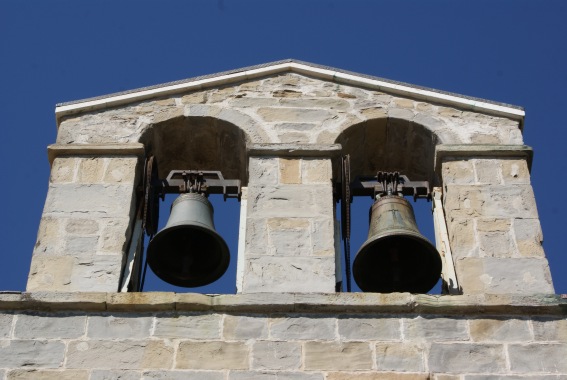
x=289, y=140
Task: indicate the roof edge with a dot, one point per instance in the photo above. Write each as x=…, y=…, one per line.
x=289, y=65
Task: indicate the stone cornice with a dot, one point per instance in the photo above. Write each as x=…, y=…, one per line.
x=294, y=150
x=352, y=303
x=131, y=149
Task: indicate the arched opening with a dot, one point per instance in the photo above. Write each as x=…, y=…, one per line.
x=200, y=143
x=387, y=145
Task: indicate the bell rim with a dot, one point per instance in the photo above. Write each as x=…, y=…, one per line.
x=221, y=270
x=432, y=253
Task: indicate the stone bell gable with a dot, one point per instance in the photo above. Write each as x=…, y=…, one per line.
x=283, y=129
x=280, y=128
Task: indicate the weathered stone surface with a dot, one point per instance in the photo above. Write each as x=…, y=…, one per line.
x=206, y=326
x=82, y=226
x=550, y=329
x=287, y=201
x=435, y=329
x=291, y=114
x=63, y=170
x=212, y=355
x=502, y=276
x=39, y=326
x=514, y=171
x=499, y=330
x=280, y=274
x=93, y=200
x=99, y=273
x=546, y=358
x=369, y=328
x=377, y=376
x=279, y=375
x=466, y=358
x=462, y=237
x=114, y=238
x=6, y=325
x=153, y=301
x=290, y=171
x=400, y=357
x=91, y=170
x=316, y=170
x=113, y=327
x=123, y=354
x=276, y=355
x=33, y=374
x=120, y=170
x=183, y=375
x=337, y=356
x=99, y=374
x=50, y=273
x=303, y=328
x=289, y=237
x=515, y=377
x=78, y=245
x=31, y=354
x=488, y=171
x=49, y=236
x=263, y=170
x=240, y=327
x=528, y=237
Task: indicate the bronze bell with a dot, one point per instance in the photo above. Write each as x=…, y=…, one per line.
x=395, y=257
x=188, y=251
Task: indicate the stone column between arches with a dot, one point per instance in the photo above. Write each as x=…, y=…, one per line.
x=492, y=219
x=290, y=242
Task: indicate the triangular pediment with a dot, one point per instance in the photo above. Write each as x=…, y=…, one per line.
x=315, y=71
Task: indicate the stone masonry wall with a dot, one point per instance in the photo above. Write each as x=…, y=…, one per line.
x=184, y=341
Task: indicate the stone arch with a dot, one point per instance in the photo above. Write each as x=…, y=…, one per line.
x=390, y=144
x=198, y=142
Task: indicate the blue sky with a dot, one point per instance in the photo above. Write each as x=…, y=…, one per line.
x=50, y=52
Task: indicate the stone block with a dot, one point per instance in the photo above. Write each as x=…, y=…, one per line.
x=459, y=172
x=293, y=137
x=369, y=328
x=183, y=375
x=487, y=171
x=504, y=275
x=462, y=236
x=499, y=330
x=290, y=171
x=303, y=328
x=514, y=171
x=112, y=327
x=122, y=354
x=374, y=113
x=538, y=358
x=278, y=375
x=284, y=128
x=81, y=226
x=99, y=273
x=98, y=374
x=377, y=376
x=52, y=326
x=50, y=273
x=502, y=201
x=6, y=325
x=205, y=326
x=115, y=236
x=466, y=358
x=399, y=357
x=148, y=301
x=272, y=355
x=315, y=170
x=91, y=170
x=288, y=201
x=550, y=329
x=94, y=200
x=280, y=274
x=334, y=356
x=49, y=236
x=31, y=354
x=212, y=355
x=323, y=103
x=63, y=170
x=263, y=171
x=291, y=114
x=121, y=169
x=242, y=327
x=79, y=245
x=34, y=374
x=529, y=237
x=253, y=102
x=435, y=329
x=289, y=237
x=194, y=98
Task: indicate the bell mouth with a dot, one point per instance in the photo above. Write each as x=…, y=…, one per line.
x=188, y=255
x=397, y=262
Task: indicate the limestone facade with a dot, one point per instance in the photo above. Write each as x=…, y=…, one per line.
x=281, y=129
